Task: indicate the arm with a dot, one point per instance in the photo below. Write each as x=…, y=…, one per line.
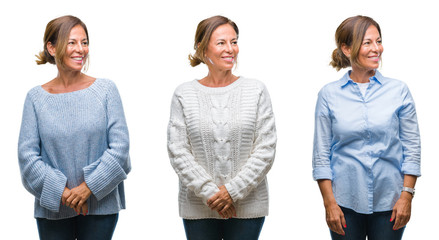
x=262, y=154
x=334, y=216
x=190, y=173
x=411, y=144
x=105, y=174
x=321, y=165
x=402, y=210
x=45, y=182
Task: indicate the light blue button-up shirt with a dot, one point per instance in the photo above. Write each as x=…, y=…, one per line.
x=366, y=144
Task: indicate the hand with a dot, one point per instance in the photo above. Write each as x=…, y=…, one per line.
x=335, y=218
x=78, y=196
x=402, y=211
x=66, y=194
x=222, y=203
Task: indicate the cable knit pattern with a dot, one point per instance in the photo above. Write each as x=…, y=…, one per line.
x=68, y=138
x=222, y=136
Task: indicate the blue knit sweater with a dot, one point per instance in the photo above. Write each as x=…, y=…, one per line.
x=68, y=138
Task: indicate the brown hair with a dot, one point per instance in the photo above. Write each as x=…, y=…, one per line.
x=57, y=33
x=350, y=33
x=202, y=36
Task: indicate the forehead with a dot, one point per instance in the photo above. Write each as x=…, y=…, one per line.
x=372, y=33
x=224, y=31
x=77, y=32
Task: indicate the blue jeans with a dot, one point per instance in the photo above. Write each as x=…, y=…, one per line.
x=375, y=226
x=89, y=227
x=228, y=229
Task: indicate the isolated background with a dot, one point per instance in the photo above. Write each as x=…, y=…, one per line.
x=143, y=46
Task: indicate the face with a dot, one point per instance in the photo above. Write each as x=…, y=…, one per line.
x=222, y=50
x=371, y=49
x=76, y=50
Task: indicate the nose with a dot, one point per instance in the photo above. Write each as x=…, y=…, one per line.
x=375, y=46
x=229, y=48
x=79, y=47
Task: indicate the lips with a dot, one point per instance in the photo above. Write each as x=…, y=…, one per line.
x=229, y=58
x=374, y=58
x=78, y=59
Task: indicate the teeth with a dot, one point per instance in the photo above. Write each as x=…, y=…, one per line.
x=78, y=58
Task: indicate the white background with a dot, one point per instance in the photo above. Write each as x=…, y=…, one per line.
x=143, y=46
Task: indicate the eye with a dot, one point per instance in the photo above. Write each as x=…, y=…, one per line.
x=380, y=41
x=85, y=43
x=220, y=43
x=235, y=42
x=366, y=43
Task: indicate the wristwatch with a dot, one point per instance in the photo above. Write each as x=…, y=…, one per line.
x=410, y=190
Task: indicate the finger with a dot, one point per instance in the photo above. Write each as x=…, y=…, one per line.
x=74, y=202
x=343, y=221
x=212, y=199
x=393, y=215
x=233, y=210
x=84, y=209
x=397, y=224
x=80, y=203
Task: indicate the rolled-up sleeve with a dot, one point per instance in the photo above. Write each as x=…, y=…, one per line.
x=409, y=135
x=322, y=140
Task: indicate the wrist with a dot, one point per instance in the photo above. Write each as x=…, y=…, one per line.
x=406, y=195
x=408, y=190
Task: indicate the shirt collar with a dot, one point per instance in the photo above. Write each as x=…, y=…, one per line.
x=378, y=77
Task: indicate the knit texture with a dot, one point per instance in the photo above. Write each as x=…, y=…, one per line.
x=68, y=138
x=222, y=136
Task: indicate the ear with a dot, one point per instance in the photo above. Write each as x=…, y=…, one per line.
x=51, y=49
x=346, y=50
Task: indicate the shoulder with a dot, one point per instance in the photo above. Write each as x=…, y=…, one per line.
x=35, y=93
x=253, y=84
x=184, y=87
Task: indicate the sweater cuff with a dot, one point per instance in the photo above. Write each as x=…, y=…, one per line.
x=102, y=177
x=322, y=173
x=232, y=191
x=53, y=188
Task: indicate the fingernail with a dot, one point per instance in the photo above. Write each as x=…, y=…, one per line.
x=391, y=219
x=345, y=226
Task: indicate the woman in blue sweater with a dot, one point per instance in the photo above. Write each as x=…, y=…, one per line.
x=73, y=145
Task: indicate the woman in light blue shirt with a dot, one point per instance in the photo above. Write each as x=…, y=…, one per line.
x=366, y=142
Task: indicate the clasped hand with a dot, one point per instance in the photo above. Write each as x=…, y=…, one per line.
x=76, y=198
x=222, y=203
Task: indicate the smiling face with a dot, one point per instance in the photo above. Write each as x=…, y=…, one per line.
x=371, y=49
x=76, y=50
x=222, y=50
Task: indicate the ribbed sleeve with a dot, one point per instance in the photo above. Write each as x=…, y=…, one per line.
x=45, y=182
x=262, y=153
x=103, y=175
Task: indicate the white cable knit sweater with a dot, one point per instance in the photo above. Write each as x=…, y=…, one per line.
x=222, y=136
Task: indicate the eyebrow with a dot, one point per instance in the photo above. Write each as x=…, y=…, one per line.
x=370, y=39
x=222, y=39
x=75, y=39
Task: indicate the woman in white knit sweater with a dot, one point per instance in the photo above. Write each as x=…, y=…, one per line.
x=221, y=141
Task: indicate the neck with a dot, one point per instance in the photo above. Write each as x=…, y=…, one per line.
x=360, y=75
x=216, y=78
x=69, y=78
